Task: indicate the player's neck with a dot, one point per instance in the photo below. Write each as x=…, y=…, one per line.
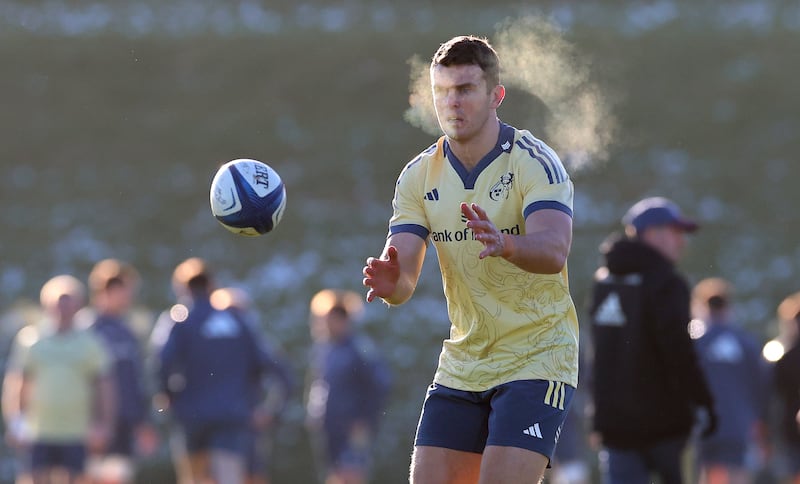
x=471, y=151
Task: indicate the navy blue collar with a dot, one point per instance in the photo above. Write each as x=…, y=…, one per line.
x=505, y=140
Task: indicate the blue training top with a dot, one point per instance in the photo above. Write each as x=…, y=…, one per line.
x=356, y=378
x=731, y=360
x=127, y=368
x=211, y=365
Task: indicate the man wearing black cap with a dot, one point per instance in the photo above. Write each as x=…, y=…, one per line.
x=647, y=385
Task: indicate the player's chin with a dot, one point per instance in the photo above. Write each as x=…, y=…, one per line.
x=455, y=129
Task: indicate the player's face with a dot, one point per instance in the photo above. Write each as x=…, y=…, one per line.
x=117, y=299
x=464, y=104
x=338, y=326
x=670, y=240
x=64, y=309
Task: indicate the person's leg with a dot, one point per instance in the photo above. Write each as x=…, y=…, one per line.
x=437, y=465
x=229, y=445
x=524, y=425
x=511, y=465
x=189, y=457
x=39, y=463
x=665, y=458
x=623, y=466
x=195, y=467
x=227, y=467
x=258, y=457
x=451, y=436
x=350, y=460
x=73, y=460
x=115, y=465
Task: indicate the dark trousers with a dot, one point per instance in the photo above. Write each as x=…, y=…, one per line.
x=639, y=466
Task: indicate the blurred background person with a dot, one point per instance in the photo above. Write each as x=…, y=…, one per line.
x=270, y=396
x=25, y=323
x=59, y=389
x=113, y=285
x=731, y=360
x=208, y=369
x=647, y=384
x=348, y=385
x=786, y=377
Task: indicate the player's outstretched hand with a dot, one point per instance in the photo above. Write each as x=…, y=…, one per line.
x=494, y=244
x=381, y=275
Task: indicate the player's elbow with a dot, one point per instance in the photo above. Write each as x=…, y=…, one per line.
x=396, y=299
x=554, y=266
x=554, y=263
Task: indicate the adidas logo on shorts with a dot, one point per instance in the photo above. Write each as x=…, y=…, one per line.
x=533, y=431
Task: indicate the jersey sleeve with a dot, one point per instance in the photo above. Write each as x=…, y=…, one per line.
x=545, y=181
x=18, y=358
x=408, y=212
x=98, y=359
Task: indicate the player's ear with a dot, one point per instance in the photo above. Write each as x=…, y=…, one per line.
x=498, y=94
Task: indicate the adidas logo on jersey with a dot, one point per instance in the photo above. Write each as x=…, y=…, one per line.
x=534, y=431
x=220, y=325
x=432, y=195
x=610, y=313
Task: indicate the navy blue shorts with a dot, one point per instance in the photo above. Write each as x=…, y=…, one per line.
x=527, y=414
x=343, y=453
x=218, y=436
x=122, y=439
x=70, y=456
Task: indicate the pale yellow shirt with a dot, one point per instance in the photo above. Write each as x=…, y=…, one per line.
x=506, y=324
x=62, y=369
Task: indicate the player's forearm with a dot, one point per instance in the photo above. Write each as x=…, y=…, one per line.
x=402, y=292
x=12, y=396
x=540, y=253
x=410, y=253
x=106, y=401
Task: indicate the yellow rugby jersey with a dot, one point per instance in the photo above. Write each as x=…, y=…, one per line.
x=506, y=324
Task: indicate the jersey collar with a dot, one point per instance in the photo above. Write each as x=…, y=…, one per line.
x=505, y=140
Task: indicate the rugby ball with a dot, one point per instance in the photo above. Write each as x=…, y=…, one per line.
x=248, y=197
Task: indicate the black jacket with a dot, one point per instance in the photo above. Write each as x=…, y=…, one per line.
x=646, y=380
x=787, y=384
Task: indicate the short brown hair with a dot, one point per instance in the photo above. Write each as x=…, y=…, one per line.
x=342, y=301
x=193, y=274
x=110, y=272
x=467, y=50
x=714, y=292
x=59, y=286
x=789, y=308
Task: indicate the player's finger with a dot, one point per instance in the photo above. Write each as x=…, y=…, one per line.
x=481, y=213
x=468, y=212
